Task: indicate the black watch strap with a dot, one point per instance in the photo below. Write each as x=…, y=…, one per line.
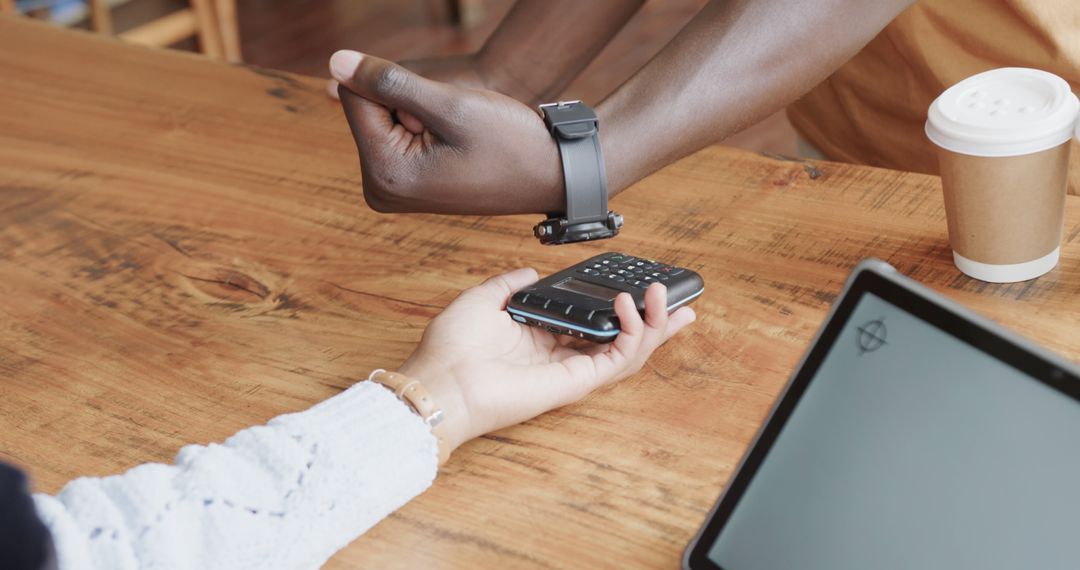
x=576, y=130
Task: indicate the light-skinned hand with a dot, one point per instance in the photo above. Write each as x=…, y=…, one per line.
x=487, y=371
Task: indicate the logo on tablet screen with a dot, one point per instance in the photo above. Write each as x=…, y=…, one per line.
x=871, y=336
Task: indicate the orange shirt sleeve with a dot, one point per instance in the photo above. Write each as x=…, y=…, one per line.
x=872, y=110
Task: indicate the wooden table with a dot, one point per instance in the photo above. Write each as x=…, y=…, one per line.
x=184, y=252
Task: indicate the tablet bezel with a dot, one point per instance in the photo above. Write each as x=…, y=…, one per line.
x=880, y=279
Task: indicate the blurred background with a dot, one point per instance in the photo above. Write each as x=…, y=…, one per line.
x=300, y=35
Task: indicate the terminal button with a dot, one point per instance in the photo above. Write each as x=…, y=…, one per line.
x=537, y=301
x=559, y=307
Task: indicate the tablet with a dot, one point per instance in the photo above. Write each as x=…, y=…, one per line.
x=913, y=434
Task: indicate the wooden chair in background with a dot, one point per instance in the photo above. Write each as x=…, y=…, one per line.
x=213, y=22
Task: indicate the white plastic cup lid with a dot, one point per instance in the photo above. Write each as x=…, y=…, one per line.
x=1004, y=112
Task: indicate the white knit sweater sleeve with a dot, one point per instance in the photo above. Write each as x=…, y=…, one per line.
x=285, y=495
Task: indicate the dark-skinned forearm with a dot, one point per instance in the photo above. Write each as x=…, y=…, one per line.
x=542, y=45
x=735, y=63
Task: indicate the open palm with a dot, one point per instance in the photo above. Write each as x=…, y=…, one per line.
x=504, y=373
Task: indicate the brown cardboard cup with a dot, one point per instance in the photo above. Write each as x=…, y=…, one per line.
x=1003, y=149
x=1005, y=212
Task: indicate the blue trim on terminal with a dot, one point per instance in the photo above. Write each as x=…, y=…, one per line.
x=564, y=324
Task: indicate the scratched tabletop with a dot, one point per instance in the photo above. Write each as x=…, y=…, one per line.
x=184, y=252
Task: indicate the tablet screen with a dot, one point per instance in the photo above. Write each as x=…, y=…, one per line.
x=913, y=449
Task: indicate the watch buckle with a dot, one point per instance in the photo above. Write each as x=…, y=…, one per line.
x=582, y=130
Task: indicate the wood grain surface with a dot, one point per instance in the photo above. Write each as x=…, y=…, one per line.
x=184, y=252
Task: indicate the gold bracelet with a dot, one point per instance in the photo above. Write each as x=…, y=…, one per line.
x=413, y=393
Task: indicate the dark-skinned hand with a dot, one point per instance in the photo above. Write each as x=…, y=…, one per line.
x=427, y=146
x=462, y=70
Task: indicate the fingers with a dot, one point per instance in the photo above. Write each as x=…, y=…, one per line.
x=630, y=323
x=656, y=305
x=678, y=321
x=610, y=362
x=411, y=123
x=394, y=87
x=656, y=317
x=635, y=332
x=639, y=338
x=372, y=124
x=331, y=89
x=498, y=289
x=575, y=373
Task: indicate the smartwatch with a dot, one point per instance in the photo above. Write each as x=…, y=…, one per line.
x=577, y=132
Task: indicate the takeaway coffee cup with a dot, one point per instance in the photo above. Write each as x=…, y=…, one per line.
x=1003, y=149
